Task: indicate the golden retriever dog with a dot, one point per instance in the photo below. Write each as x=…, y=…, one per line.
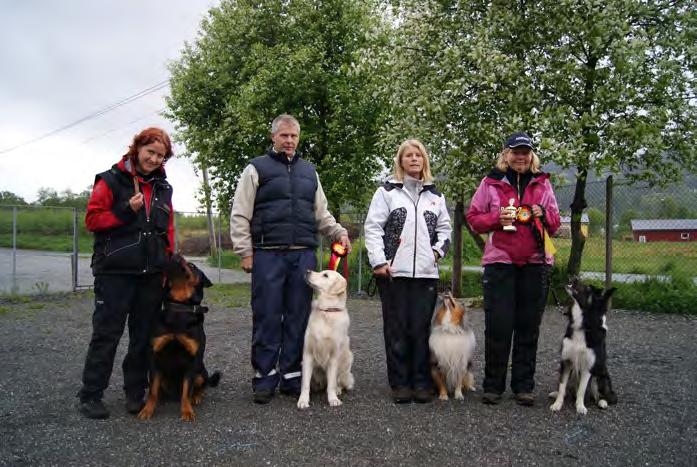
x=452, y=344
x=327, y=358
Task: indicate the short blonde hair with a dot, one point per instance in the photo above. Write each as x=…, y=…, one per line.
x=502, y=164
x=398, y=170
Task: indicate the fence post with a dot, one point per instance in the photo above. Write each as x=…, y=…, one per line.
x=73, y=263
x=220, y=249
x=14, y=250
x=608, y=236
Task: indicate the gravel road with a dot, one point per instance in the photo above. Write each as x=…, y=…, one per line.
x=653, y=363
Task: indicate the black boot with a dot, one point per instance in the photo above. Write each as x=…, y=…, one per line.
x=94, y=409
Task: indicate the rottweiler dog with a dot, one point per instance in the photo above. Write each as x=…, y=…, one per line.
x=179, y=341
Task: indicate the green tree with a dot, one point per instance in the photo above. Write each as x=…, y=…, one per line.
x=450, y=84
x=596, y=220
x=256, y=59
x=7, y=198
x=608, y=85
x=66, y=198
x=617, y=88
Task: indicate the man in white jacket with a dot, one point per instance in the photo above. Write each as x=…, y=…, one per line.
x=407, y=230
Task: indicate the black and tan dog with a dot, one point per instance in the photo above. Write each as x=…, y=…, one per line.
x=179, y=341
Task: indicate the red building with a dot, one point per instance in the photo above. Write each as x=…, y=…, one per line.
x=664, y=230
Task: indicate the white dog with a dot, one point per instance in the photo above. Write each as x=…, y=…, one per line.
x=327, y=358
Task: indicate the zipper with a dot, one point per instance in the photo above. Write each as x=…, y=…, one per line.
x=416, y=226
x=153, y=193
x=292, y=201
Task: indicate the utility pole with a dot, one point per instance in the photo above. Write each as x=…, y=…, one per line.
x=209, y=213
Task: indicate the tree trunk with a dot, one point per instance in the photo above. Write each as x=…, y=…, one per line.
x=578, y=239
x=456, y=277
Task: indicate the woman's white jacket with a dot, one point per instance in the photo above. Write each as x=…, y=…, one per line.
x=404, y=230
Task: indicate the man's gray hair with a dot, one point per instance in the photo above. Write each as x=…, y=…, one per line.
x=284, y=118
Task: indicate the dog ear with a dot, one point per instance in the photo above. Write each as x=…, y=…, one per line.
x=338, y=287
x=205, y=282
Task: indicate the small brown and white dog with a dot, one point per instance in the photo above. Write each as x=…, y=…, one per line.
x=452, y=344
x=327, y=357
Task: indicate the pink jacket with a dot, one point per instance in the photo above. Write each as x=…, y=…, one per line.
x=519, y=247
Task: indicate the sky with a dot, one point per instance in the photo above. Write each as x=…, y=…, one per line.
x=61, y=61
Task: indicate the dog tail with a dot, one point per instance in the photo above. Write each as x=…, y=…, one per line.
x=213, y=379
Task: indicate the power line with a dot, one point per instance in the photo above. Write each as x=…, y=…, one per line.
x=98, y=113
x=157, y=112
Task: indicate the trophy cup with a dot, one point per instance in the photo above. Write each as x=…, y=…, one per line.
x=511, y=210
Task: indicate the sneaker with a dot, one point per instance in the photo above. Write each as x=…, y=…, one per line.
x=262, y=397
x=491, y=398
x=423, y=395
x=94, y=409
x=134, y=406
x=525, y=398
x=401, y=395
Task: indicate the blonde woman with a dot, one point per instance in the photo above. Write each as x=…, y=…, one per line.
x=407, y=231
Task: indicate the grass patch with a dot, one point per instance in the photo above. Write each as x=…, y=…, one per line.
x=61, y=241
x=230, y=295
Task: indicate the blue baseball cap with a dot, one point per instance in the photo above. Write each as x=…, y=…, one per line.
x=520, y=139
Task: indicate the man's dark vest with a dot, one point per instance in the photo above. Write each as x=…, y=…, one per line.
x=138, y=246
x=284, y=207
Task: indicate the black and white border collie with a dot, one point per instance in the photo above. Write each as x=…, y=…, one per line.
x=583, y=352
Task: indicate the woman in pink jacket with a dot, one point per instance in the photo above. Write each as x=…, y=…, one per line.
x=516, y=265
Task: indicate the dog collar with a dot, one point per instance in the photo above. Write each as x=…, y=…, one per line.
x=182, y=308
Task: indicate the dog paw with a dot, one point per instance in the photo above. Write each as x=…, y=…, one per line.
x=553, y=394
x=145, y=413
x=581, y=409
x=443, y=397
x=188, y=416
x=334, y=401
x=602, y=403
x=556, y=407
x=458, y=395
x=303, y=401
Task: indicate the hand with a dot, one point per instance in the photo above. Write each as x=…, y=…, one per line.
x=136, y=202
x=537, y=210
x=436, y=256
x=383, y=271
x=247, y=263
x=346, y=243
x=506, y=217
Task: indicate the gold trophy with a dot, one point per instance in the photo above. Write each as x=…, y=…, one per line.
x=511, y=210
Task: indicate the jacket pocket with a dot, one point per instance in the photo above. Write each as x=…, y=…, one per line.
x=123, y=253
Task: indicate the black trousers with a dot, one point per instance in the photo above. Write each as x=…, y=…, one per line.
x=119, y=298
x=514, y=300
x=407, y=308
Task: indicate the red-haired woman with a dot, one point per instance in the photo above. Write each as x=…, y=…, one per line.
x=130, y=213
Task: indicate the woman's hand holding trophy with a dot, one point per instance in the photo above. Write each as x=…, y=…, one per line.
x=508, y=215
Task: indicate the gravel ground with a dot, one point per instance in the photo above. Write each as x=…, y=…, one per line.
x=653, y=363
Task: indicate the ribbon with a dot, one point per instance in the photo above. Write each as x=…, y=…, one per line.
x=338, y=252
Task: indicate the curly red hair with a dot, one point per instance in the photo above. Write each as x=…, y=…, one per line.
x=148, y=136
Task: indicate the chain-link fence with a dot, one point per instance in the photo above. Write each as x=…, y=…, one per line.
x=653, y=233
x=653, y=230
